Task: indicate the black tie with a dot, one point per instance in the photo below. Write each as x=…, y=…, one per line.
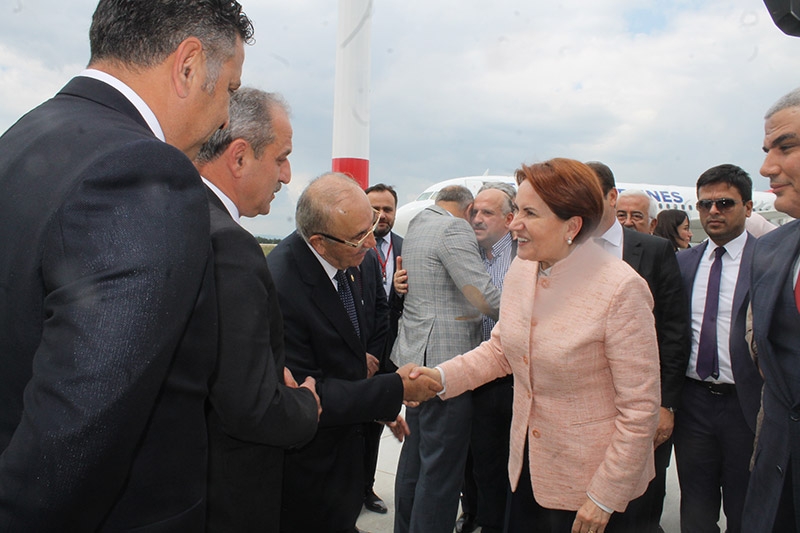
x=707, y=356
x=347, y=299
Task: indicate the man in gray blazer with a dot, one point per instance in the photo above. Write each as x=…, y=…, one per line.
x=773, y=495
x=448, y=290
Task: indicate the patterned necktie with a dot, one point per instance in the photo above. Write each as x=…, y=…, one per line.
x=707, y=356
x=346, y=296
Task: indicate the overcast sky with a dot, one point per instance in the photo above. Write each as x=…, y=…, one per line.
x=659, y=90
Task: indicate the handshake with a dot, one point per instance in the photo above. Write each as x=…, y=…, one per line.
x=419, y=383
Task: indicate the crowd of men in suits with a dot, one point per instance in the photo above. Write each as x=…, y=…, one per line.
x=182, y=382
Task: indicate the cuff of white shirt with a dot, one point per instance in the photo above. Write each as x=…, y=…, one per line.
x=441, y=375
x=600, y=505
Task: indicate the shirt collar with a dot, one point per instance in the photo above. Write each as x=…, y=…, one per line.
x=229, y=205
x=130, y=94
x=734, y=248
x=614, y=234
x=330, y=270
x=500, y=247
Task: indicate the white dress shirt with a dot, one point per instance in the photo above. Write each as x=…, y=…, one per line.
x=731, y=260
x=388, y=268
x=612, y=240
x=330, y=270
x=229, y=205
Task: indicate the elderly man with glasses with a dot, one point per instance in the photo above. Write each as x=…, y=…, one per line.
x=335, y=315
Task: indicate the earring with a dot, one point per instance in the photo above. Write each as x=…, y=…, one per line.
x=569, y=241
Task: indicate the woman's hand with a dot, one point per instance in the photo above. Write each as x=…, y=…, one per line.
x=590, y=518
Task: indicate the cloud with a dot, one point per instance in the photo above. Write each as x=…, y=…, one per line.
x=659, y=90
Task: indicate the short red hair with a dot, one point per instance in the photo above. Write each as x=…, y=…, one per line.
x=569, y=188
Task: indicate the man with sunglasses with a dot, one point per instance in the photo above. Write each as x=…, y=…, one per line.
x=773, y=497
x=716, y=420
x=327, y=333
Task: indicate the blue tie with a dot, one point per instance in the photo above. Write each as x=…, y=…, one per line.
x=347, y=299
x=707, y=357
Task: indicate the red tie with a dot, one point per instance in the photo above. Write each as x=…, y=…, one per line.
x=797, y=292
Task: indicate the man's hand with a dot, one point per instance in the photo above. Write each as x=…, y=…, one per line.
x=422, y=386
x=400, y=279
x=288, y=379
x=399, y=428
x=666, y=423
x=310, y=384
x=372, y=365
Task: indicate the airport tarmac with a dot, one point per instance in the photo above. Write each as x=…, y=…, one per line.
x=384, y=487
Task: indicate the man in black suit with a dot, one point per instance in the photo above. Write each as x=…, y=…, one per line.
x=716, y=423
x=773, y=495
x=388, y=246
x=383, y=199
x=107, y=308
x=252, y=415
x=654, y=260
x=327, y=333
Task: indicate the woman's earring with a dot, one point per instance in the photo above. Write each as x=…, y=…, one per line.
x=569, y=241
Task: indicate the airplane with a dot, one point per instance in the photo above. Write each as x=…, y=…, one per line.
x=666, y=197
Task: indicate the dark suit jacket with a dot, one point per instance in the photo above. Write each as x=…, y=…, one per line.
x=395, y=300
x=654, y=259
x=107, y=321
x=324, y=481
x=395, y=306
x=745, y=374
x=252, y=415
x=775, y=327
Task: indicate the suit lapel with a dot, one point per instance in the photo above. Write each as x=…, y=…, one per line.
x=631, y=249
x=695, y=255
x=740, y=295
x=104, y=94
x=324, y=295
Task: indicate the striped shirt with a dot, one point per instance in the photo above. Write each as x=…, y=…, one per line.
x=497, y=267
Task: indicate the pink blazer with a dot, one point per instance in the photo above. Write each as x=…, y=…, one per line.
x=581, y=344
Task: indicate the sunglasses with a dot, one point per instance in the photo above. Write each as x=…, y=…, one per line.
x=723, y=204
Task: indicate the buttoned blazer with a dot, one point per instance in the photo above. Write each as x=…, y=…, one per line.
x=654, y=259
x=581, y=345
x=252, y=415
x=441, y=255
x=322, y=343
x=779, y=435
x=745, y=374
x=107, y=321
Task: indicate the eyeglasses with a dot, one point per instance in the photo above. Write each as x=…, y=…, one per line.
x=636, y=216
x=723, y=204
x=360, y=242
